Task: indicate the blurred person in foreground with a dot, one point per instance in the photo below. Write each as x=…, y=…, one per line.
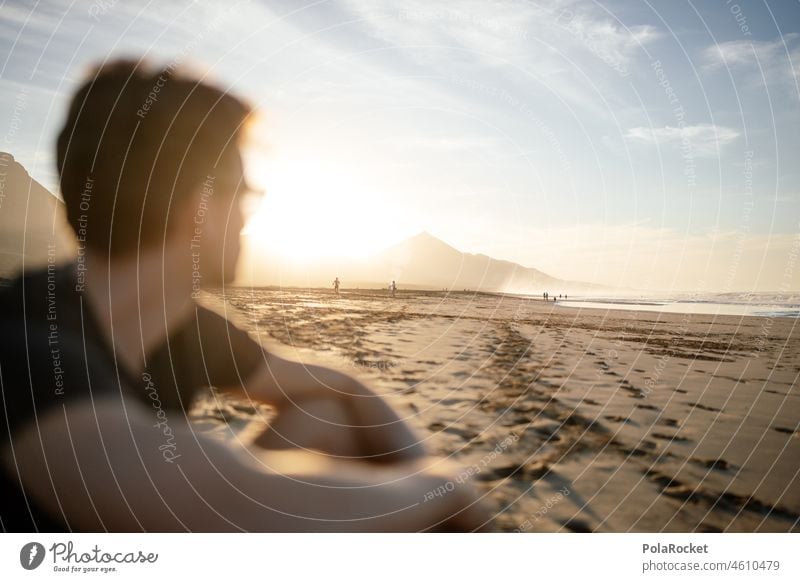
x=101, y=359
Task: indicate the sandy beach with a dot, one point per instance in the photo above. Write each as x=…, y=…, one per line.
x=568, y=419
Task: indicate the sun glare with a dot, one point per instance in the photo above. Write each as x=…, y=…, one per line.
x=316, y=210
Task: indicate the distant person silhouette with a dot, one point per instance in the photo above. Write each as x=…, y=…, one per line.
x=336, y=285
x=96, y=425
x=393, y=288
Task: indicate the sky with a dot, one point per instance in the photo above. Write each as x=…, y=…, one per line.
x=650, y=145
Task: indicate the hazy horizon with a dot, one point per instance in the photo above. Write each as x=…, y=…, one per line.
x=416, y=261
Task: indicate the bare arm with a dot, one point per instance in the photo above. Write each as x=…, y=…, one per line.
x=101, y=466
x=283, y=382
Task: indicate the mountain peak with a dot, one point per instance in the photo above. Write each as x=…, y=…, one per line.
x=424, y=238
x=423, y=235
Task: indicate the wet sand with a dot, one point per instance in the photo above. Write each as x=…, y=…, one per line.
x=568, y=419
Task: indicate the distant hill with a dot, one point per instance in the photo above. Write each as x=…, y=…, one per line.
x=420, y=262
x=426, y=260
x=32, y=223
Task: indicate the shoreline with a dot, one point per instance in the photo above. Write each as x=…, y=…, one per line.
x=602, y=303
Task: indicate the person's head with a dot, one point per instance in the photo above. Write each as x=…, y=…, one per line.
x=149, y=159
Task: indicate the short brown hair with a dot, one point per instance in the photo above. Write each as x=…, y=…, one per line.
x=137, y=140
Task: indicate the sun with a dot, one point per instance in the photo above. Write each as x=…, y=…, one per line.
x=315, y=209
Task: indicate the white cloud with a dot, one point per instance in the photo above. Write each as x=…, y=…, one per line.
x=703, y=139
x=777, y=59
x=566, y=41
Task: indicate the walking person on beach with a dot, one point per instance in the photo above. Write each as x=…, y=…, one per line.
x=393, y=288
x=336, y=285
x=100, y=439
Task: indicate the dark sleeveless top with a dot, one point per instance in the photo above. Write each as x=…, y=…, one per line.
x=53, y=352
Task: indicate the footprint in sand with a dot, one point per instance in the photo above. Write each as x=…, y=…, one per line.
x=704, y=407
x=633, y=392
x=716, y=464
x=622, y=419
x=673, y=438
x=465, y=434
x=525, y=408
x=576, y=525
x=662, y=480
x=502, y=472
x=784, y=430
x=547, y=429
x=532, y=471
x=639, y=451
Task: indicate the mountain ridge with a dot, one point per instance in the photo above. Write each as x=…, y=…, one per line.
x=33, y=228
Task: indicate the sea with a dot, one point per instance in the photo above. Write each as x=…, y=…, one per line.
x=737, y=304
